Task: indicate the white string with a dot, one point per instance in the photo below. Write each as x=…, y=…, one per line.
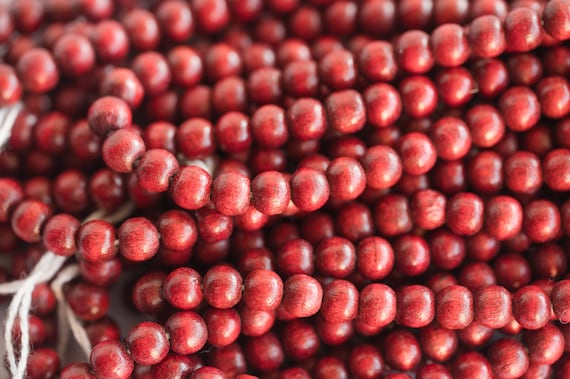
x=66, y=319
x=19, y=308
x=8, y=116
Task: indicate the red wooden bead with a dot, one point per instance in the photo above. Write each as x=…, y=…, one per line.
x=300, y=340
x=451, y=138
x=340, y=18
x=335, y=257
x=138, y=239
x=222, y=287
x=176, y=20
x=302, y=295
x=147, y=293
x=465, y=213
x=503, y=217
x=486, y=36
x=472, y=364
x=221, y=61
x=28, y=220
x=268, y=126
x=176, y=365
x=60, y=233
x=508, y=358
x=96, y=241
x=541, y=221
x=177, y=230
x=190, y=188
x=560, y=300
x=148, y=343
x=309, y=189
x=153, y=71
x=419, y=95
x=230, y=193
x=485, y=172
x=37, y=70
x=207, y=372
x=392, y=215
x=411, y=255
x=188, y=332
x=474, y=335
x=556, y=170
x=330, y=366
x=545, y=345
x=450, y=45
x=110, y=40
x=433, y=371
x=211, y=16
x=454, y=307
x=413, y=52
x=523, y=30
x=416, y=306
x=103, y=274
x=110, y=359
x=195, y=138
x=337, y=70
x=456, y=86
x=365, y=361
x=182, y=288
x=438, y=343
x=556, y=19
x=295, y=257
x=402, y=350
x=306, y=119
x=74, y=54
x=264, y=353
x=523, y=173
x=345, y=111
x=520, y=108
x=107, y=114
x=447, y=249
x=427, y=208
x=524, y=69
x=493, y=306
x=233, y=133
x=340, y=301
x=263, y=290
x=486, y=125
x=224, y=326
x=531, y=307
x=80, y=370
x=383, y=105
x=376, y=60
x=87, y=301
x=11, y=194
x=413, y=14
x=155, y=170
x=142, y=28
x=417, y=152
x=383, y=167
x=270, y=192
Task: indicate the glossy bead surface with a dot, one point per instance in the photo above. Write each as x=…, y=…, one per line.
x=188, y=332
x=402, y=350
x=190, y=188
x=263, y=290
x=508, y=358
x=110, y=360
x=28, y=220
x=222, y=287
x=416, y=306
x=454, y=307
x=302, y=295
x=383, y=167
x=148, y=343
x=492, y=306
x=309, y=189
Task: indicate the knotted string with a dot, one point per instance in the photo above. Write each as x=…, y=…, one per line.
x=44, y=271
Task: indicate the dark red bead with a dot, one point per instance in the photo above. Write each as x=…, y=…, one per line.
x=419, y=96
x=402, y=350
x=107, y=114
x=556, y=19
x=60, y=233
x=545, y=345
x=472, y=364
x=508, y=358
x=28, y=220
x=222, y=287
x=416, y=306
x=37, y=70
x=493, y=306
x=87, y=301
x=541, y=221
x=190, y=188
x=302, y=295
x=148, y=343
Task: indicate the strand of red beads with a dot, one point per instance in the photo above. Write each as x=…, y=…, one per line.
x=440, y=223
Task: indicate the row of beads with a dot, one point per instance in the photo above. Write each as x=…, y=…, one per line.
x=454, y=308
x=138, y=239
x=487, y=36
